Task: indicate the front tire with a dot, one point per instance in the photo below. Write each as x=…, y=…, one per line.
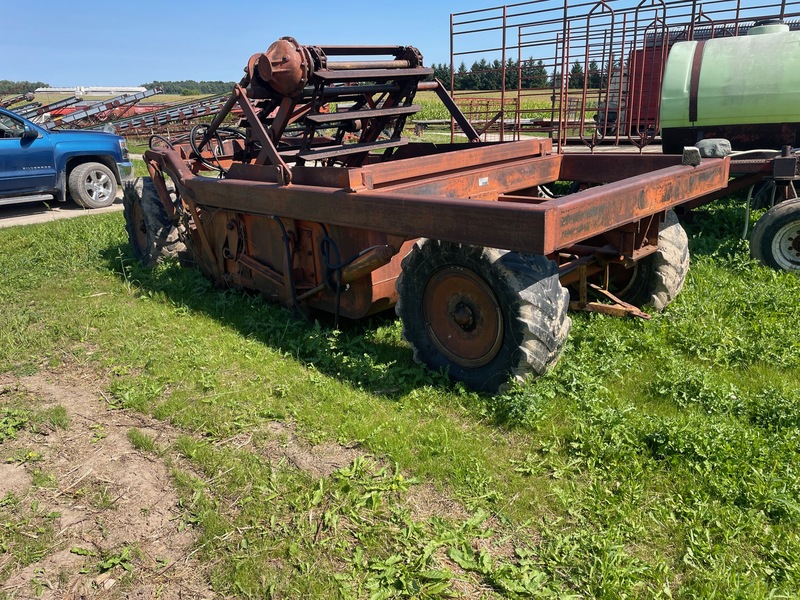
x=776, y=237
x=483, y=314
x=93, y=185
x=151, y=234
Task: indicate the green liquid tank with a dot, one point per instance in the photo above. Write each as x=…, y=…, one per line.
x=741, y=88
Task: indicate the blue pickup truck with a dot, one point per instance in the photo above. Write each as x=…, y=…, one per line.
x=41, y=165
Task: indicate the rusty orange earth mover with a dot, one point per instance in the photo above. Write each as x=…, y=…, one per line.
x=318, y=201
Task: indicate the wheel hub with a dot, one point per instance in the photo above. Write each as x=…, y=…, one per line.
x=99, y=186
x=786, y=246
x=463, y=317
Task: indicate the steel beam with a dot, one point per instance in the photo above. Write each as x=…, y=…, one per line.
x=541, y=228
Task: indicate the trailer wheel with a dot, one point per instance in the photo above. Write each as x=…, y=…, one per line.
x=483, y=314
x=658, y=278
x=776, y=237
x=150, y=233
x=92, y=185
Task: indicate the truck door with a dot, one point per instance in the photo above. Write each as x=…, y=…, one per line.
x=26, y=165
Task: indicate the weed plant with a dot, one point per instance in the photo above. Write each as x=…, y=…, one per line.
x=657, y=460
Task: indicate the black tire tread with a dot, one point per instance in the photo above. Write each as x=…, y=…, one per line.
x=163, y=239
x=660, y=276
x=768, y=226
x=531, y=288
x=75, y=185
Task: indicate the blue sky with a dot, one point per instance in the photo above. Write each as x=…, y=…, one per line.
x=128, y=43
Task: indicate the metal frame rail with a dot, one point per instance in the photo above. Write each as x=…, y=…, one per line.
x=6, y=102
x=531, y=49
x=99, y=108
x=186, y=111
x=35, y=111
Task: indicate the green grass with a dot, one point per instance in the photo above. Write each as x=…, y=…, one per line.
x=142, y=441
x=26, y=533
x=659, y=459
x=19, y=412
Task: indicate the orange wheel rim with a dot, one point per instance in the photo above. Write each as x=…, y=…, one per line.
x=463, y=317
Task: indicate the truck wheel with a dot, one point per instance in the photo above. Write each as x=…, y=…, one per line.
x=150, y=233
x=483, y=314
x=776, y=236
x=658, y=278
x=93, y=185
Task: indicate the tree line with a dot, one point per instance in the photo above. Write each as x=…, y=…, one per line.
x=183, y=88
x=190, y=87
x=485, y=75
x=482, y=75
x=20, y=87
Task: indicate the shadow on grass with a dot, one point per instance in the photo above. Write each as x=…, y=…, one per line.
x=368, y=354
x=715, y=229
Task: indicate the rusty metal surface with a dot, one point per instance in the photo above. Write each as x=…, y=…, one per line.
x=594, y=210
x=285, y=67
x=606, y=167
x=306, y=210
x=288, y=89
x=453, y=159
x=463, y=316
x=742, y=137
x=8, y=101
x=541, y=228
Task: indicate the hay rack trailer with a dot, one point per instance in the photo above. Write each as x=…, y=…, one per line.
x=318, y=201
x=649, y=75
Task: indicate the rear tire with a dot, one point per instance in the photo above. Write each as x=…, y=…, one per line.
x=483, y=314
x=659, y=277
x=776, y=237
x=92, y=185
x=151, y=234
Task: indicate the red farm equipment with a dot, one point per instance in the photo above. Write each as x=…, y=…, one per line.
x=638, y=73
x=318, y=201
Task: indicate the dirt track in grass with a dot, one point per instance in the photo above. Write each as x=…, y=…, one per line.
x=107, y=496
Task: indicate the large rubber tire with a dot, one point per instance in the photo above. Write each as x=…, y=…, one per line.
x=776, y=236
x=151, y=234
x=92, y=185
x=484, y=315
x=658, y=278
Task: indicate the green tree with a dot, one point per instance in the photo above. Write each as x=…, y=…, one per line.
x=576, y=76
x=191, y=87
x=20, y=87
x=512, y=74
x=464, y=79
x=442, y=73
x=595, y=76
x=481, y=80
x=494, y=79
x=534, y=74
